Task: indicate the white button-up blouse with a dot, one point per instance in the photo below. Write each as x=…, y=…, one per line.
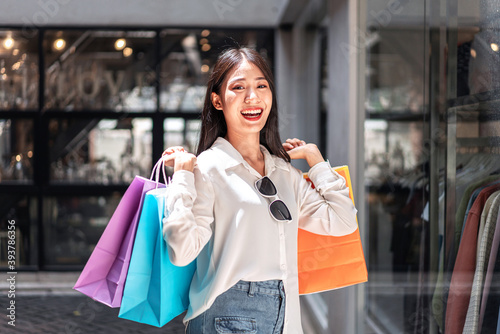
x=217, y=217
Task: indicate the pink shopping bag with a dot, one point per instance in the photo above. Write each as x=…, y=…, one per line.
x=103, y=277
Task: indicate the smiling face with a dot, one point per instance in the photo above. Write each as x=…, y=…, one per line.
x=245, y=100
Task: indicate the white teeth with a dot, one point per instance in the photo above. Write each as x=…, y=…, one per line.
x=251, y=112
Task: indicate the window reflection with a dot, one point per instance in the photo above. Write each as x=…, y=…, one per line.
x=22, y=211
x=16, y=150
x=104, y=152
x=180, y=132
x=18, y=70
x=100, y=70
x=187, y=57
x=73, y=226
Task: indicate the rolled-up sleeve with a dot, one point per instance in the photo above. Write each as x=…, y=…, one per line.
x=327, y=208
x=189, y=215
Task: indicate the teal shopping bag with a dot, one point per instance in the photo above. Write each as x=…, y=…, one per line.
x=156, y=291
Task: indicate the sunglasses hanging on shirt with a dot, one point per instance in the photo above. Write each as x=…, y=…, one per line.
x=277, y=208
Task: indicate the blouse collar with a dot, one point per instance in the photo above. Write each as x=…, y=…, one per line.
x=233, y=158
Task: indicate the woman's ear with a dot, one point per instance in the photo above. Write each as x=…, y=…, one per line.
x=216, y=101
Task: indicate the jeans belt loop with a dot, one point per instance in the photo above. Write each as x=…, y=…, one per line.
x=251, y=289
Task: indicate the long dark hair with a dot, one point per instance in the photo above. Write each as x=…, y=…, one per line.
x=214, y=125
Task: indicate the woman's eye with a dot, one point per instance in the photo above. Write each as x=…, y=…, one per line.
x=238, y=87
x=262, y=86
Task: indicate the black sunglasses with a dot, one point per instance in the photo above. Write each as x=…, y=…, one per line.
x=277, y=208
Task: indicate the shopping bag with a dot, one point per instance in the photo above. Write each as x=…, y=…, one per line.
x=156, y=291
x=328, y=262
x=103, y=276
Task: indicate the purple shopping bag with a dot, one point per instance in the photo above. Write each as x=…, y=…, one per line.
x=103, y=277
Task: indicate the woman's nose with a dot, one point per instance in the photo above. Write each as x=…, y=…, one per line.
x=252, y=96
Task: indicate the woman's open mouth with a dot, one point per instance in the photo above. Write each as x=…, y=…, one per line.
x=253, y=114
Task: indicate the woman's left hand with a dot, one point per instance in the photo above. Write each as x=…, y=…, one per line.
x=299, y=149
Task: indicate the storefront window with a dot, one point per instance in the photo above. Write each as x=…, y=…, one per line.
x=396, y=167
x=16, y=151
x=113, y=100
x=468, y=268
x=18, y=70
x=18, y=223
x=180, y=132
x=432, y=166
x=73, y=226
x=107, y=151
x=90, y=69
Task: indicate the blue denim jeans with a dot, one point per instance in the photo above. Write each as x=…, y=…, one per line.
x=246, y=308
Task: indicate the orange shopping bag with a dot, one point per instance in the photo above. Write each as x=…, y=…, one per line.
x=327, y=262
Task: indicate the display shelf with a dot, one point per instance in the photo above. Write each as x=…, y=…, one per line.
x=16, y=113
x=479, y=141
x=107, y=113
x=396, y=116
x=14, y=187
x=474, y=99
x=83, y=189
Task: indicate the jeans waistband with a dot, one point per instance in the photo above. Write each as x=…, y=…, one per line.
x=271, y=287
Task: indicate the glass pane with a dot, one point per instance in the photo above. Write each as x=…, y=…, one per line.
x=187, y=56
x=473, y=171
x=16, y=151
x=18, y=223
x=396, y=167
x=73, y=226
x=100, y=151
x=180, y=132
x=100, y=70
x=18, y=69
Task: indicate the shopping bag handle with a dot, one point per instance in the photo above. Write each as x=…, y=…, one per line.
x=156, y=172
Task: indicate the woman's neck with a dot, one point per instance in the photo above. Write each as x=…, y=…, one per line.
x=249, y=148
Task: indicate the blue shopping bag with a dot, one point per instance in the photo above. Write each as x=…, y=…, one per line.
x=156, y=291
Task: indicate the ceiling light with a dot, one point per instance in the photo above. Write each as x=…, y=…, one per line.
x=120, y=44
x=494, y=47
x=59, y=44
x=205, y=68
x=8, y=43
x=127, y=52
x=203, y=41
x=473, y=53
x=205, y=33
x=206, y=47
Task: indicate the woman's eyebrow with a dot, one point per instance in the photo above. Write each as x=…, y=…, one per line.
x=244, y=79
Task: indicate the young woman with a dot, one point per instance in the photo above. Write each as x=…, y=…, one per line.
x=236, y=207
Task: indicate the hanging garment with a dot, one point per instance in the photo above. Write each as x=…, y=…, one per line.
x=460, y=216
x=471, y=202
x=463, y=272
x=488, y=304
x=485, y=238
x=451, y=248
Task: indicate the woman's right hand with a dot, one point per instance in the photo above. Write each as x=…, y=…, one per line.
x=179, y=158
